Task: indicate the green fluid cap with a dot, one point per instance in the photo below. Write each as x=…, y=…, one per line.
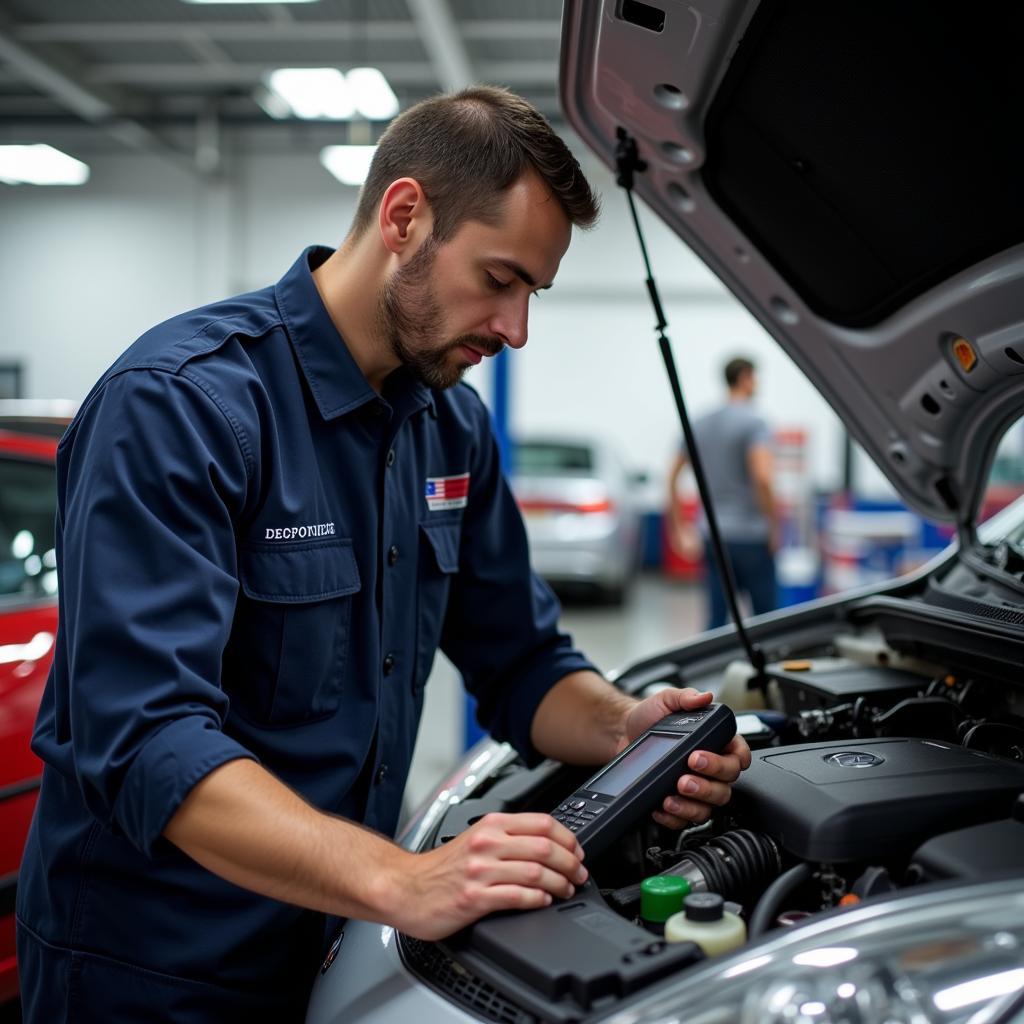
x=661, y=896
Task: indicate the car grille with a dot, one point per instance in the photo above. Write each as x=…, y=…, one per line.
x=431, y=965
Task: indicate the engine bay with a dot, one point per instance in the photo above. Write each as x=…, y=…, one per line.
x=875, y=771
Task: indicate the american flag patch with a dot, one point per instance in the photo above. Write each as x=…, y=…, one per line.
x=447, y=492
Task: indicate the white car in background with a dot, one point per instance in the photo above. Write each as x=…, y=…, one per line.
x=852, y=172
x=580, y=506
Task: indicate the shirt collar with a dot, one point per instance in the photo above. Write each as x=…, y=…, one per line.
x=334, y=377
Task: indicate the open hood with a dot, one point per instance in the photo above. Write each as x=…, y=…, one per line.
x=852, y=172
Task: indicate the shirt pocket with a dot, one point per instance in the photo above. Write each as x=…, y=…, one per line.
x=285, y=662
x=438, y=563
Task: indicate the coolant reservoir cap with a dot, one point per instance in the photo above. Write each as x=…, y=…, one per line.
x=704, y=906
x=661, y=896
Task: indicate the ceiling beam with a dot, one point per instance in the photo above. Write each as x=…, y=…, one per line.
x=241, y=73
x=266, y=32
x=206, y=50
x=443, y=43
x=514, y=73
x=279, y=14
x=54, y=81
x=94, y=106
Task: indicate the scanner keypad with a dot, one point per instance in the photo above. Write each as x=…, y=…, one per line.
x=576, y=813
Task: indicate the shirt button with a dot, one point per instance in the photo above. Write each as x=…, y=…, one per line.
x=391, y=457
x=381, y=773
x=389, y=664
x=392, y=554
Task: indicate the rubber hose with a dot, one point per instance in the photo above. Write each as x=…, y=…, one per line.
x=771, y=900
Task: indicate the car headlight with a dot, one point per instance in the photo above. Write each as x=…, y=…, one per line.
x=941, y=956
x=483, y=760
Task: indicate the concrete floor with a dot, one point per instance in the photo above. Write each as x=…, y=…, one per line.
x=659, y=614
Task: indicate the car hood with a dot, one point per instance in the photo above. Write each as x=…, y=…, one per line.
x=852, y=173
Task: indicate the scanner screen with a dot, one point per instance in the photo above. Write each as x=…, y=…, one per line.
x=621, y=775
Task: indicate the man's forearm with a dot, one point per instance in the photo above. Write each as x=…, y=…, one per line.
x=581, y=720
x=765, y=498
x=243, y=824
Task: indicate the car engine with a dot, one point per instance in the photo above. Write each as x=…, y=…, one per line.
x=874, y=771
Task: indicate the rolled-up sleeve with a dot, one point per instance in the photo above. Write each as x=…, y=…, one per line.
x=151, y=479
x=501, y=625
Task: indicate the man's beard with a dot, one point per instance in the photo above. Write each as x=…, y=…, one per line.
x=408, y=315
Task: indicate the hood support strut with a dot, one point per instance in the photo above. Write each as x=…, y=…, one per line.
x=628, y=164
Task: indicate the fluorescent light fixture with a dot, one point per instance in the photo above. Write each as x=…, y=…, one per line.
x=40, y=165
x=313, y=93
x=349, y=164
x=373, y=97
x=327, y=94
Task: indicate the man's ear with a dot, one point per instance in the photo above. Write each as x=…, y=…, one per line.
x=404, y=217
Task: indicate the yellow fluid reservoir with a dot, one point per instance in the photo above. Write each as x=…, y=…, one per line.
x=705, y=920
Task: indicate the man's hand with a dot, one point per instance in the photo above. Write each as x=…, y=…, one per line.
x=697, y=794
x=503, y=862
x=685, y=539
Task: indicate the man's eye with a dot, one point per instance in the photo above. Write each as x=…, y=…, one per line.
x=494, y=283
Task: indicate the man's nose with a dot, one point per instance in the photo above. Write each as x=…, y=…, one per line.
x=510, y=324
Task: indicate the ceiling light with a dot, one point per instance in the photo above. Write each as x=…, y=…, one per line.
x=40, y=165
x=349, y=164
x=326, y=93
x=313, y=93
x=372, y=95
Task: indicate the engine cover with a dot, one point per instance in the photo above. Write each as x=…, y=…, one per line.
x=859, y=800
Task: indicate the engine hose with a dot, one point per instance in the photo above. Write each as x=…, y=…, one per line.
x=737, y=865
x=769, y=904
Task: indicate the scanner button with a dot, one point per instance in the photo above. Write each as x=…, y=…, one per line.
x=578, y=805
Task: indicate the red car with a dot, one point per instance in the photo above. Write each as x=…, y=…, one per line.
x=28, y=625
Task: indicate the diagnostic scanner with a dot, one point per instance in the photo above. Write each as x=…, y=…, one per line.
x=636, y=781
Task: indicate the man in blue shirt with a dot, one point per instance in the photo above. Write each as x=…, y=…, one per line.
x=736, y=451
x=271, y=512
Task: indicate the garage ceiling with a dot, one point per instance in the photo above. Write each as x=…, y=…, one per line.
x=176, y=78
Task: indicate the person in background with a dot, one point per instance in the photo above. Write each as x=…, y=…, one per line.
x=735, y=448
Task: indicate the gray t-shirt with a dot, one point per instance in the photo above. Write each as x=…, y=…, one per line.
x=724, y=438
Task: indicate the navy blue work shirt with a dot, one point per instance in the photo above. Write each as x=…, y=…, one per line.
x=259, y=556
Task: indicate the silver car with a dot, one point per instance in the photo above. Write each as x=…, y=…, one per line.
x=579, y=504
x=852, y=173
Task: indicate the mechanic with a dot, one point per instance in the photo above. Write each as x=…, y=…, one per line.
x=736, y=451
x=272, y=511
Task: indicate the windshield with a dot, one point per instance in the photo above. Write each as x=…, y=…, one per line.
x=28, y=499
x=553, y=459
x=1006, y=477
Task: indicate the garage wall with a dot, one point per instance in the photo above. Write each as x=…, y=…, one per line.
x=85, y=270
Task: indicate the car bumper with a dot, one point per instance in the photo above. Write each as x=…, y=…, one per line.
x=368, y=984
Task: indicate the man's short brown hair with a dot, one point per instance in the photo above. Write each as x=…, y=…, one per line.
x=465, y=149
